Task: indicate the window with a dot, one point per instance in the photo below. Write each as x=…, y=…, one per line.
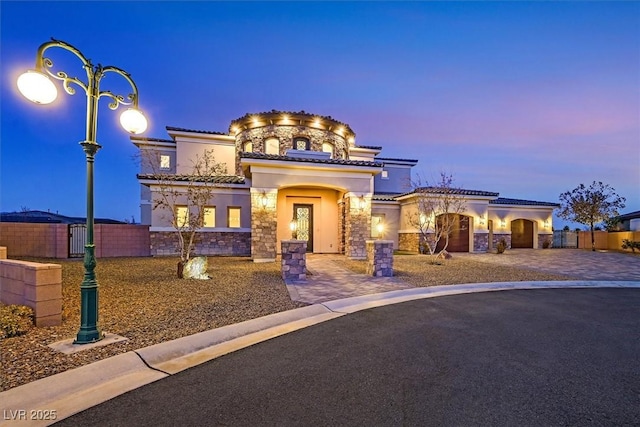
x=165, y=162
x=385, y=175
x=377, y=225
x=327, y=147
x=301, y=144
x=233, y=217
x=209, y=217
x=248, y=147
x=272, y=146
x=182, y=216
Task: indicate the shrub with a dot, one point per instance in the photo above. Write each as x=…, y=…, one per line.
x=15, y=320
x=501, y=246
x=630, y=244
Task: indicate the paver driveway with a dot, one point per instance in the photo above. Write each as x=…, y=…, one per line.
x=576, y=263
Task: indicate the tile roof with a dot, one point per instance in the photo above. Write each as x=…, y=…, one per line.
x=297, y=113
x=153, y=139
x=387, y=197
x=630, y=215
x=456, y=191
x=390, y=159
x=506, y=201
x=369, y=147
x=218, y=179
x=210, y=132
x=307, y=160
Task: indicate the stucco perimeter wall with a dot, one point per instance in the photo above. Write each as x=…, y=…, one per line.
x=607, y=240
x=52, y=240
x=35, y=285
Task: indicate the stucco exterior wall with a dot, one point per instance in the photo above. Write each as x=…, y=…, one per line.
x=326, y=238
x=391, y=212
x=223, y=152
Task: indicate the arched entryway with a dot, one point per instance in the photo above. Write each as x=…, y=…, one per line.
x=459, y=237
x=521, y=233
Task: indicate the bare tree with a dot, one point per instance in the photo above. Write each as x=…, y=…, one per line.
x=183, y=198
x=590, y=206
x=437, y=208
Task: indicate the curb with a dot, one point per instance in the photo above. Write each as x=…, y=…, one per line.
x=62, y=395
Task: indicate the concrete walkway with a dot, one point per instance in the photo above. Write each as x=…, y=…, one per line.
x=328, y=281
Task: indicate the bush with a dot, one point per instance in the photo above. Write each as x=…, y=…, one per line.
x=15, y=320
x=501, y=246
x=630, y=244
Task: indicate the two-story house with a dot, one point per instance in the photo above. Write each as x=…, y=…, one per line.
x=299, y=171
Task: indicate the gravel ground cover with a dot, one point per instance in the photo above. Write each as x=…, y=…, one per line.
x=419, y=272
x=141, y=299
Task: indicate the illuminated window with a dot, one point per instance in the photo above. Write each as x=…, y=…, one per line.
x=301, y=144
x=327, y=147
x=165, y=162
x=182, y=216
x=233, y=217
x=209, y=219
x=377, y=225
x=272, y=146
x=385, y=175
x=248, y=147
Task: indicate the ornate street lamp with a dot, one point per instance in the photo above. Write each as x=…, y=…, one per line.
x=36, y=85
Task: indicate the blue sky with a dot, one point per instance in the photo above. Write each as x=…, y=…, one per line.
x=525, y=99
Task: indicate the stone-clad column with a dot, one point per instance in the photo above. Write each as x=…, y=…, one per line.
x=357, y=226
x=380, y=258
x=263, y=224
x=294, y=260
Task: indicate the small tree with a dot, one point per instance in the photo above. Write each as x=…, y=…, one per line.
x=437, y=207
x=193, y=191
x=590, y=206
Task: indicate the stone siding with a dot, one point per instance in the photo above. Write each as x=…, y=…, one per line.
x=408, y=242
x=233, y=243
x=357, y=229
x=263, y=234
x=542, y=238
x=294, y=260
x=480, y=242
x=380, y=258
x=497, y=237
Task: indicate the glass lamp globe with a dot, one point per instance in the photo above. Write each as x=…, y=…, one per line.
x=133, y=121
x=37, y=87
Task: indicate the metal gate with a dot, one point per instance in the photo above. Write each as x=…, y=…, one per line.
x=77, y=240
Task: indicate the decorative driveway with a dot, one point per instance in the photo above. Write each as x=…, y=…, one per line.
x=576, y=263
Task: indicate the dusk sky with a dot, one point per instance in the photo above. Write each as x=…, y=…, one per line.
x=525, y=99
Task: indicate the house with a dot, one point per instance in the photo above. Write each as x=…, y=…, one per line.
x=299, y=169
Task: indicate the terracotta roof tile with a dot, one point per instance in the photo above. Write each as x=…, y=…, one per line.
x=307, y=160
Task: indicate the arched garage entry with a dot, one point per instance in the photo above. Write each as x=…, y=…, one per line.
x=521, y=233
x=459, y=237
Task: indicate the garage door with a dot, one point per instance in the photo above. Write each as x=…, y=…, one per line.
x=521, y=233
x=459, y=238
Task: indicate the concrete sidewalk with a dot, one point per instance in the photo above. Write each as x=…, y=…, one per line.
x=70, y=392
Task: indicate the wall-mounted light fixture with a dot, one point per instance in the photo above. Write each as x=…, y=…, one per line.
x=293, y=226
x=360, y=203
x=546, y=223
x=380, y=229
x=481, y=220
x=503, y=223
x=264, y=200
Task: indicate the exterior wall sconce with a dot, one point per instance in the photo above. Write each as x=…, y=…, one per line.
x=293, y=226
x=360, y=203
x=481, y=221
x=380, y=229
x=503, y=223
x=546, y=223
x=264, y=200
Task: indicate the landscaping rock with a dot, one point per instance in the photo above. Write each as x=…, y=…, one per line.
x=196, y=268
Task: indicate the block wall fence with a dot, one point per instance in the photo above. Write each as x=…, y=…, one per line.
x=52, y=240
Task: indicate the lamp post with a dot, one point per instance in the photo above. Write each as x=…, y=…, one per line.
x=37, y=86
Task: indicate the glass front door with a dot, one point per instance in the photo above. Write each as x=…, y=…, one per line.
x=303, y=215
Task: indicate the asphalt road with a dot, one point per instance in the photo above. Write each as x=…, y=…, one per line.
x=527, y=357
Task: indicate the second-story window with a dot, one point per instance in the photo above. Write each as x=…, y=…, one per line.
x=165, y=162
x=248, y=147
x=272, y=146
x=301, y=144
x=327, y=147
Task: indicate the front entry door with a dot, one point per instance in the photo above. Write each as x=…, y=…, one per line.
x=303, y=215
